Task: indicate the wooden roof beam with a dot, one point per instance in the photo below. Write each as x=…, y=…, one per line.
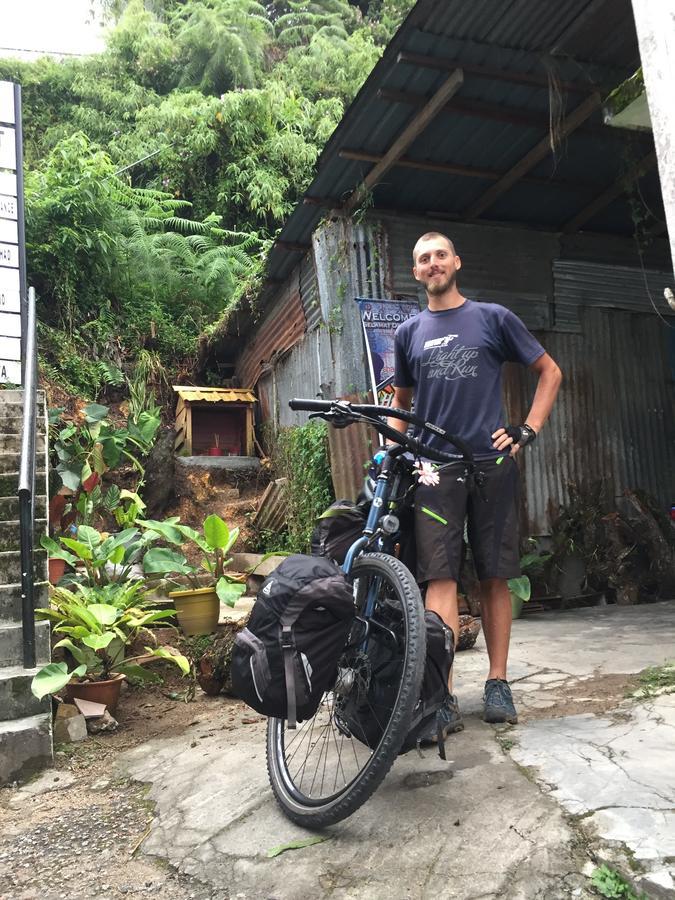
x=533, y=158
x=436, y=62
x=610, y=194
x=409, y=134
x=450, y=169
x=509, y=114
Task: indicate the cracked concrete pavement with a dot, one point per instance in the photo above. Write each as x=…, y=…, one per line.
x=524, y=812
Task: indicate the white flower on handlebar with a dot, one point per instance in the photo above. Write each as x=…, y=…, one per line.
x=426, y=473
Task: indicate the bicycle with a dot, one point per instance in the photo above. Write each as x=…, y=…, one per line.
x=327, y=768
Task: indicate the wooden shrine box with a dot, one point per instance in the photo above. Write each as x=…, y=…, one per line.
x=208, y=417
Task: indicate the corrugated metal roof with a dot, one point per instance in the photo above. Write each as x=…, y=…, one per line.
x=569, y=38
x=214, y=394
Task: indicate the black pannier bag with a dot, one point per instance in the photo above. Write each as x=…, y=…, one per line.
x=365, y=719
x=287, y=655
x=337, y=528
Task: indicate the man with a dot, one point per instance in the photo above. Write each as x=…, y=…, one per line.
x=449, y=358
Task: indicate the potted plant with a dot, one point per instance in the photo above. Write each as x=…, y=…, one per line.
x=198, y=606
x=521, y=588
x=216, y=449
x=99, y=624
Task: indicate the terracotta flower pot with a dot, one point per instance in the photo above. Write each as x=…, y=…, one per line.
x=56, y=569
x=197, y=610
x=107, y=692
x=209, y=682
x=215, y=451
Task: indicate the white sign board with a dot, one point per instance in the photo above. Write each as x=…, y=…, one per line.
x=9, y=256
x=9, y=231
x=10, y=371
x=10, y=324
x=10, y=348
x=10, y=240
x=8, y=182
x=7, y=147
x=8, y=208
x=10, y=295
x=7, y=112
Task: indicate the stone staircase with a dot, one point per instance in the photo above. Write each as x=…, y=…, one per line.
x=25, y=723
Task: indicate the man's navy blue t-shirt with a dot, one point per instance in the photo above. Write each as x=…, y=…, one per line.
x=453, y=360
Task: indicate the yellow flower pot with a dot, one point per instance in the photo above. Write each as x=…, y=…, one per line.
x=197, y=610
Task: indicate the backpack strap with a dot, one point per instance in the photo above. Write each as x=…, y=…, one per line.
x=305, y=597
x=287, y=648
x=441, y=740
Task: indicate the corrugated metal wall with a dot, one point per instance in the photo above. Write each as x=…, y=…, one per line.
x=278, y=332
x=499, y=265
x=581, y=284
x=309, y=292
x=327, y=360
x=614, y=417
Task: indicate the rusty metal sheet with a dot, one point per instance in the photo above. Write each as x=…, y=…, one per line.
x=214, y=394
x=614, y=418
x=275, y=336
x=350, y=450
x=271, y=512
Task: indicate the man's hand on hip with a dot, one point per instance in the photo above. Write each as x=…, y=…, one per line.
x=513, y=437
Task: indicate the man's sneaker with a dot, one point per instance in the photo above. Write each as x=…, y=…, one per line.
x=499, y=702
x=448, y=717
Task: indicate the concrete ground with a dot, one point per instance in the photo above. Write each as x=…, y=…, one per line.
x=525, y=812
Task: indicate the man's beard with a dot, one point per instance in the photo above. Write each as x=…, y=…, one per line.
x=440, y=287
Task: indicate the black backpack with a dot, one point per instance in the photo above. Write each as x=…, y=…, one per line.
x=362, y=718
x=287, y=656
x=337, y=528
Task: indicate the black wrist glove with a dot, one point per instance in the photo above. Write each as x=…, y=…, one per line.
x=521, y=434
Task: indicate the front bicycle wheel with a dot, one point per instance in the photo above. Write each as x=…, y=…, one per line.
x=331, y=764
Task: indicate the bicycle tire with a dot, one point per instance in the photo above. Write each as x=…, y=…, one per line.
x=314, y=814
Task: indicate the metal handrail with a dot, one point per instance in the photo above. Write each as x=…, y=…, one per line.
x=26, y=490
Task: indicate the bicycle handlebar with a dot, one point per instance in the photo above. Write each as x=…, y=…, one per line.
x=371, y=411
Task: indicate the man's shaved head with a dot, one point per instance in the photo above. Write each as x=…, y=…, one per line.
x=431, y=236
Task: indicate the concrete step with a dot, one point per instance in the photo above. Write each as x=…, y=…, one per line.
x=10, y=565
x=9, y=508
x=11, y=643
x=11, y=443
x=16, y=697
x=11, y=421
x=9, y=481
x=25, y=746
x=10, y=534
x=10, y=600
x=16, y=396
x=11, y=461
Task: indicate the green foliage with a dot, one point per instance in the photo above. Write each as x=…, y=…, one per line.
x=215, y=541
x=91, y=622
x=609, y=883
x=160, y=169
x=301, y=456
x=89, y=449
x=656, y=680
x=109, y=258
x=103, y=562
